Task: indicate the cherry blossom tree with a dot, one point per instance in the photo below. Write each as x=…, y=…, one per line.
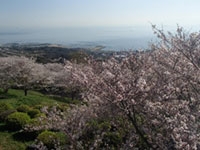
x=22, y=72
x=7, y=74
x=158, y=91
x=62, y=78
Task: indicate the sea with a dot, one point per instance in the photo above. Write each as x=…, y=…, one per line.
x=110, y=38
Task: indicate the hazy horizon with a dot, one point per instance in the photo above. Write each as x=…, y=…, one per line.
x=71, y=22
x=113, y=38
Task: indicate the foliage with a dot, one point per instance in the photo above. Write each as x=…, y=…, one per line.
x=51, y=139
x=40, y=115
x=63, y=107
x=78, y=57
x=4, y=107
x=23, y=108
x=5, y=110
x=17, y=120
x=33, y=122
x=8, y=142
x=112, y=139
x=50, y=118
x=103, y=135
x=33, y=113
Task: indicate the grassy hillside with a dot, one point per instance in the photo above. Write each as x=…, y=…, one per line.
x=17, y=98
x=13, y=140
x=10, y=140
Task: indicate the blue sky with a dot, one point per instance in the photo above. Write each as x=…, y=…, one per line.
x=88, y=13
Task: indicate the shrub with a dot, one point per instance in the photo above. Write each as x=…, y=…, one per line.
x=63, y=107
x=23, y=108
x=40, y=115
x=5, y=110
x=100, y=125
x=35, y=125
x=4, y=107
x=109, y=134
x=17, y=120
x=62, y=138
x=38, y=106
x=33, y=113
x=5, y=114
x=50, y=139
x=33, y=122
x=113, y=139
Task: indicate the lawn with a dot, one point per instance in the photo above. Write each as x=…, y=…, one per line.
x=9, y=140
x=17, y=98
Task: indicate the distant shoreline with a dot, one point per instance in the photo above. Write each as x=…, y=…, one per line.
x=85, y=45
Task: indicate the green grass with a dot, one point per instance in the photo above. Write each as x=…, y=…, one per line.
x=9, y=140
x=16, y=98
x=66, y=100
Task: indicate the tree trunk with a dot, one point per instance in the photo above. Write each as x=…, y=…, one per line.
x=72, y=95
x=25, y=92
x=140, y=133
